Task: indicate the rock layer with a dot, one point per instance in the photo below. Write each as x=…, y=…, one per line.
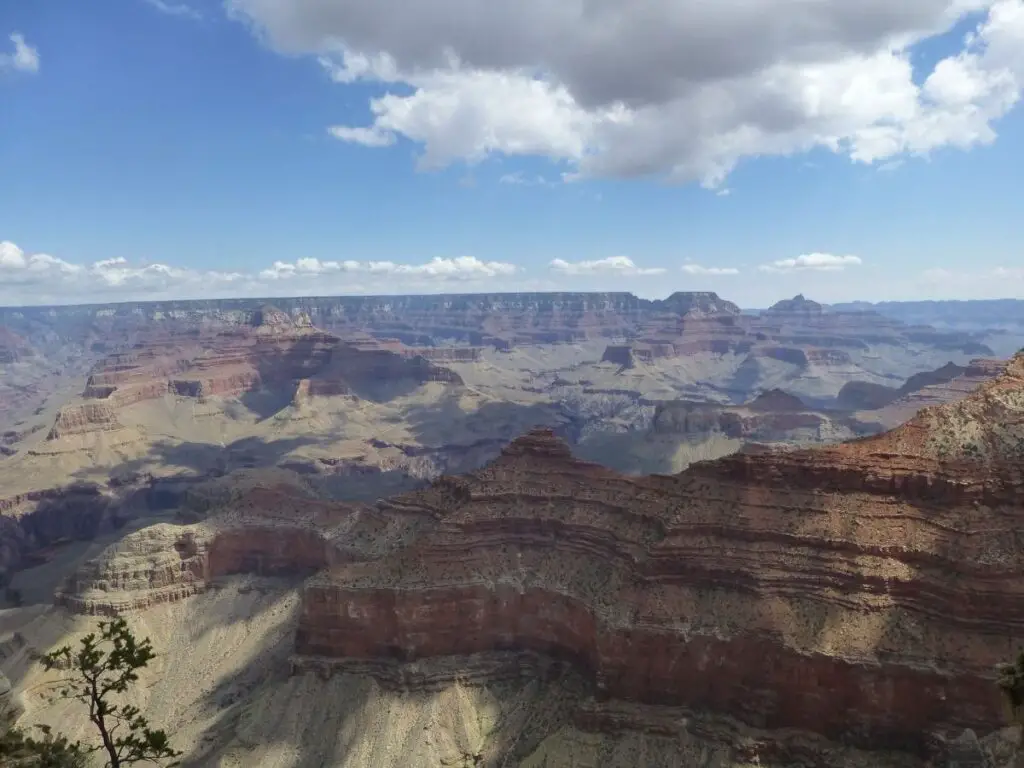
x=797, y=331
x=274, y=350
x=773, y=417
x=81, y=419
x=935, y=390
x=864, y=592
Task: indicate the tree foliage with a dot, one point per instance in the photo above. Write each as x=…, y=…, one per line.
x=104, y=667
x=18, y=749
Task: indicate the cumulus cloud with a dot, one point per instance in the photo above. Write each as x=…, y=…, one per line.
x=613, y=265
x=40, y=278
x=24, y=58
x=819, y=262
x=697, y=269
x=368, y=137
x=675, y=88
x=459, y=268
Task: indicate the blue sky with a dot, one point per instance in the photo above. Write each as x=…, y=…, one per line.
x=158, y=150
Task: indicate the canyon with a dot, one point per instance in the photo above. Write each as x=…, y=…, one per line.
x=848, y=601
x=549, y=528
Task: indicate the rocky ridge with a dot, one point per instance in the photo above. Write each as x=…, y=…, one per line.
x=932, y=388
x=862, y=395
x=496, y=320
x=798, y=332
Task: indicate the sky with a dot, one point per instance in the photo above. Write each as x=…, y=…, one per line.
x=156, y=149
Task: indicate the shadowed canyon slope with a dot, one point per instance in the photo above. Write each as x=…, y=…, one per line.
x=843, y=605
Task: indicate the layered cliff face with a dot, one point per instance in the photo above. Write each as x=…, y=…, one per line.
x=87, y=417
x=773, y=417
x=791, y=591
x=863, y=395
x=930, y=389
x=863, y=592
x=499, y=320
x=273, y=350
x=797, y=343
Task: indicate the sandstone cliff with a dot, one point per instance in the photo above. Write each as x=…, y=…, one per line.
x=273, y=350
x=80, y=419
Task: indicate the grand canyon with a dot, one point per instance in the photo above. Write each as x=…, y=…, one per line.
x=521, y=529
x=502, y=384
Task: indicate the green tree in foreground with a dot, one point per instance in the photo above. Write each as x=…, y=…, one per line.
x=1011, y=683
x=20, y=750
x=104, y=667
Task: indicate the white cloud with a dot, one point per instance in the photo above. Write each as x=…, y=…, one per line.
x=613, y=265
x=459, y=268
x=25, y=58
x=32, y=278
x=681, y=89
x=40, y=278
x=820, y=262
x=469, y=114
x=175, y=9
x=16, y=266
x=368, y=137
x=697, y=269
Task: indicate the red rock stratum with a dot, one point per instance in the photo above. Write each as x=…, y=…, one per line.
x=863, y=592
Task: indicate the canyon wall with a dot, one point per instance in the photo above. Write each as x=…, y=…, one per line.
x=813, y=590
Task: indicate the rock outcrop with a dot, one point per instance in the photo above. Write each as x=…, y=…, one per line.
x=798, y=306
x=83, y=419
x=32, y=522
x=932, y=389
x=773, y=417
x=273, y=350
x=869, y=396
x=797, y=331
